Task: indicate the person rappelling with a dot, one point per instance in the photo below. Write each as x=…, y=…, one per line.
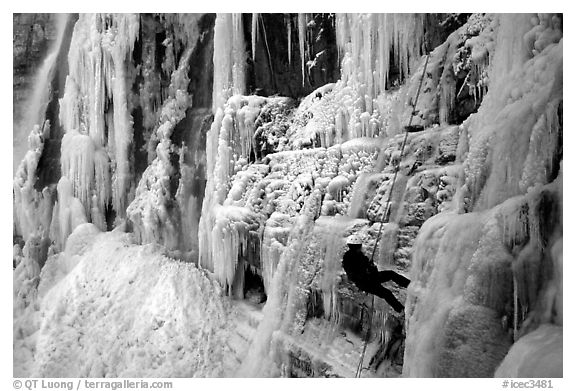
x=366, y=276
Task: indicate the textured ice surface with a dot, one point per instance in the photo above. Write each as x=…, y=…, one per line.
x=122, y=310
x=475, y=210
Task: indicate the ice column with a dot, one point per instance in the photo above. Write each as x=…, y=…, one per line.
x=229, y=79
x=302, y=43
x=229, y=59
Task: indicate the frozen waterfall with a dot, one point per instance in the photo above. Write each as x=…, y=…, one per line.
x=184, y=206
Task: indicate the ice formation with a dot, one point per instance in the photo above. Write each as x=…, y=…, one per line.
x=528, y=95
x=94, y=110
x=120, y=311
x=31, y=209
x=369, y=40
x=504, y=229
x=229, y=58
x=467, y=203
x=154, y=222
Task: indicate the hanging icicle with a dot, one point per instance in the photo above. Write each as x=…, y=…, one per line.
x=368, y=39
x=302, y=42
x=289, y=32
x=255, y=17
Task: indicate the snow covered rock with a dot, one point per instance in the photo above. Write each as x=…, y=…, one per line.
x=127, y=311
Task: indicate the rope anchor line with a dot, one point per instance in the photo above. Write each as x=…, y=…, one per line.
x=385, y=214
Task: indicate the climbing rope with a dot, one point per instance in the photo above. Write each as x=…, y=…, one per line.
x=385, y=214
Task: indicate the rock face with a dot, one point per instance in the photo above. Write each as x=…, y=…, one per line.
x=32, y=35
x=254, y=145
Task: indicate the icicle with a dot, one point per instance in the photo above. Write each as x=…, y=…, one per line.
x=102, y=178
x=77, y=160
x=289, y=29
x=302, y=42
x=70, y=212
x=255, y=17
x=238, y=55
x=369, y=40
x=97, y=215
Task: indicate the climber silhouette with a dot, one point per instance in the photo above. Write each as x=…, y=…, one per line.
x=365, y=275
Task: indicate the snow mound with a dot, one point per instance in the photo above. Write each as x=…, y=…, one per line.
x=126, y=311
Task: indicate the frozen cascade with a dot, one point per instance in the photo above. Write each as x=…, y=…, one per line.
x=528, y=95
x=367, y=41
x=279, y=309
x=152, y=217
x=353, y=107
x=475, y=215
x=464, y=265
x=227, y=151
x=229, y=79
x=229, y=59
x=98, y=79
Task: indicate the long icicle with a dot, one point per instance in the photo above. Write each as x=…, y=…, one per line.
x=302, y=43
x=289, y=28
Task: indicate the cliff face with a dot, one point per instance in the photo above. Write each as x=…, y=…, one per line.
x=32, y=35
x=254, y=145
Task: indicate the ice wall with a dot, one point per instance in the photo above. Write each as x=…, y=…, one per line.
x=318, y=164
x=484, y=278
x=475, y=212
x=514, y=137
